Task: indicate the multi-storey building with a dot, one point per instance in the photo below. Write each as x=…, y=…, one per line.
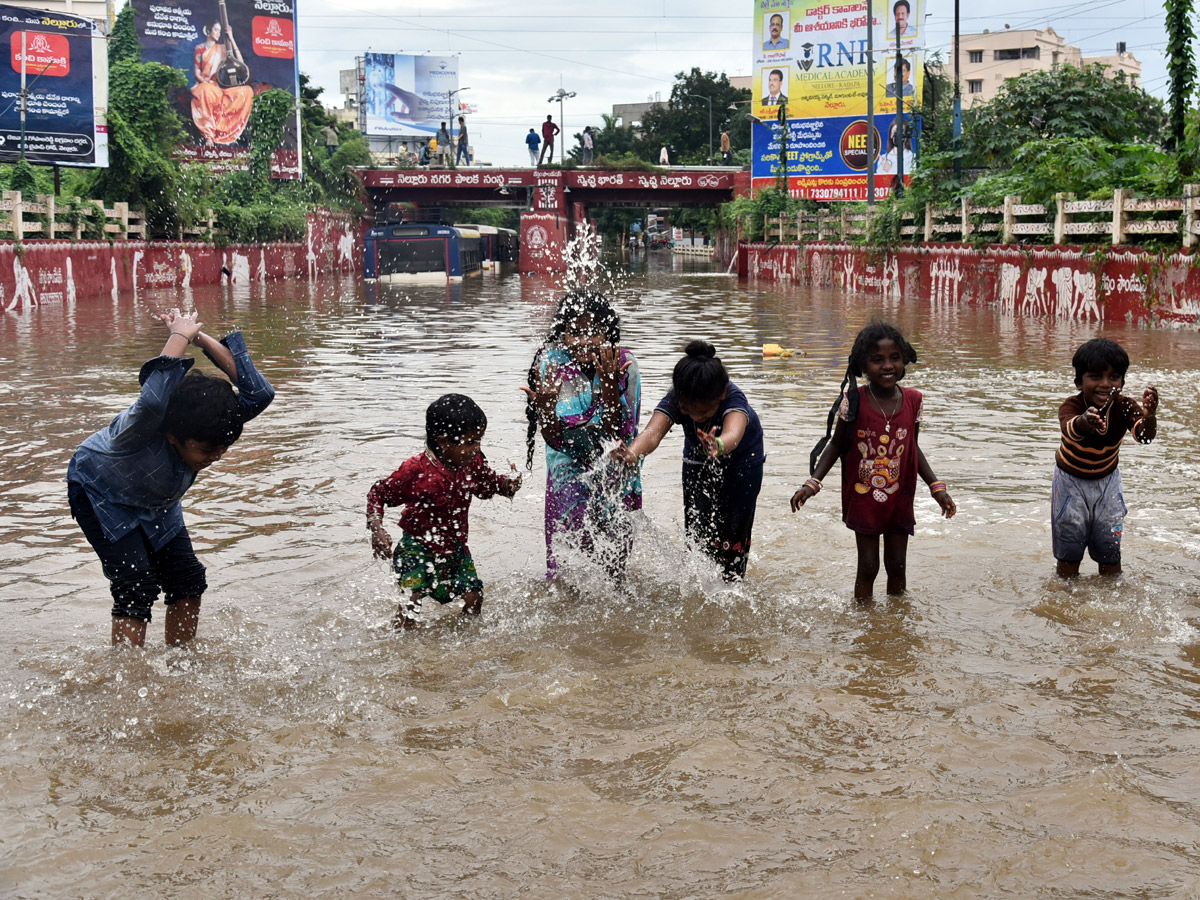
x=985, y=60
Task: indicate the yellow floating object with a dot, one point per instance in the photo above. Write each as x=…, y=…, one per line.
x=781, y=352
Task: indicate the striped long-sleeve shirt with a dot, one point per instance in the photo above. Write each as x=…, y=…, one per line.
x=1094, y=454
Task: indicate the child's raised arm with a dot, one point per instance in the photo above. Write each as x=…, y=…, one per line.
x=646, y=442
x=832, y=452
x=180, y=325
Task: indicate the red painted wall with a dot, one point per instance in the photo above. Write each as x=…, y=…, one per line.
x=61, y=271
x=1115, y=285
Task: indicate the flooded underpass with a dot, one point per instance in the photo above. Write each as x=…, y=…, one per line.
x=998, y=732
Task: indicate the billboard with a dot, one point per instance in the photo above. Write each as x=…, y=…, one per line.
x=230, y=51
x=409, y=96
x=62, y=60
x=810, y=64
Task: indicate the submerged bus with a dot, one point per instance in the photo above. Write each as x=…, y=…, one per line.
x=420, y=251
x=497, y=245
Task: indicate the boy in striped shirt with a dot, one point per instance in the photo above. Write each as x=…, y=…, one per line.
x=1087, y=506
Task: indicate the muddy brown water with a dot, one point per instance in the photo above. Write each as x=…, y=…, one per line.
x=996, y=733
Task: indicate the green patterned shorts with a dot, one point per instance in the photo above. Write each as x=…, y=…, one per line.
x=427, y=574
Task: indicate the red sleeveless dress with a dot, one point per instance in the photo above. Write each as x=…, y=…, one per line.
x=879, y=470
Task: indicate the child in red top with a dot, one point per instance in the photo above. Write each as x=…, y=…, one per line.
x=432, y=559
x=876, y=439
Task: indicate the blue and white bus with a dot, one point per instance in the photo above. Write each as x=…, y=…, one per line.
x=420, y=251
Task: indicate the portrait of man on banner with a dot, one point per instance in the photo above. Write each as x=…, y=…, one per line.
x=774, y=81
x=903, y=22
x=775, y=30
x=906, y=88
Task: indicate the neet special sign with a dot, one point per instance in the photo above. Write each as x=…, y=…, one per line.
x=810, y=93
x=61, y=60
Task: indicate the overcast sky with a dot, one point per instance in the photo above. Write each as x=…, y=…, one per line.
x=515, y=54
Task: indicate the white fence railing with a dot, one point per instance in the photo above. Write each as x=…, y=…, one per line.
x=1124, y=219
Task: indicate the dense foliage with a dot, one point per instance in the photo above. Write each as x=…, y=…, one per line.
x=144, y=128
x=1181, y=65
x=681, y=124
x=1060, y=103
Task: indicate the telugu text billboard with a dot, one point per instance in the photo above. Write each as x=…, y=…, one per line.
x=811, y=63
x=63, y=61
x=231, y=51
x=409, y=96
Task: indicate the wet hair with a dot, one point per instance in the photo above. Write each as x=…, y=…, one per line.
x=454, y=417
x=856, y=364
x=204, y=408
x=699, y=377
x=1097, y=355
x=872, y=335
x=571, y=306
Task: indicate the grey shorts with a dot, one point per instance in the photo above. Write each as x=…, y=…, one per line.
x=1087, y=514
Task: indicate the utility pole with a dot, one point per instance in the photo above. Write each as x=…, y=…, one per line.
x=957, y=105
x=871, y=105
x=899, y=116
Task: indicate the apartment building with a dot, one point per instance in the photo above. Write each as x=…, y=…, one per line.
x=985, y=60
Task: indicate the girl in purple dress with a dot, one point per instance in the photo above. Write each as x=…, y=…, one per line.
x=585, y=392
x=876, y=439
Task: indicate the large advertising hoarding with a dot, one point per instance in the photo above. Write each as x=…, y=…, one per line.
x=810, y=64
x=231, y=51
x=62, y=60
x=409, y=96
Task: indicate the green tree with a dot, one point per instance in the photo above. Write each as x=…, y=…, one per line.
x=1181, y=65
x=123, y=42
x=1063, y=102
x=143, y=131
x=682, y=123
x=612, y=140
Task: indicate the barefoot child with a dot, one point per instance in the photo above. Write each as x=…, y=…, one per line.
x=435, y=487
x=584, y=390
x=876, y=439
x=1087, y=507
x=125, y=482
x=722, y=455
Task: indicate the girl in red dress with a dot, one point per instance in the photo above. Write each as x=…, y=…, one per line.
x=876, y=439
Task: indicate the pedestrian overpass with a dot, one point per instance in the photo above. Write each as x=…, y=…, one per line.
x=554, y=202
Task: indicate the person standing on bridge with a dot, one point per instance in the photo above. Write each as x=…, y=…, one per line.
x=549, y=130
x=532, y=141
x=464, y=148
x=588, y=146
x=664, y=157
x=445, y=146
x=726, y=149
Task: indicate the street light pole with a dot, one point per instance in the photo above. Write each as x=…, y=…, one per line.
x=561, y=95
x=707, y=100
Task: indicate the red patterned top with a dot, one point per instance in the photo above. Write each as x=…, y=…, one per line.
x=435, y=498
x=879, y=470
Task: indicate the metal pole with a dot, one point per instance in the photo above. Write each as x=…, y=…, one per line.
x=957, y=104
x=24, y=92
x=707, y=100
x=871, y=105
x=899, y=117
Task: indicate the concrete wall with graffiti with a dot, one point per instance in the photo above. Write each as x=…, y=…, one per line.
x=44, y=272
x=1066, y=282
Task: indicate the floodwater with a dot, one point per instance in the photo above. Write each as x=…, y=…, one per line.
x=995, y=733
